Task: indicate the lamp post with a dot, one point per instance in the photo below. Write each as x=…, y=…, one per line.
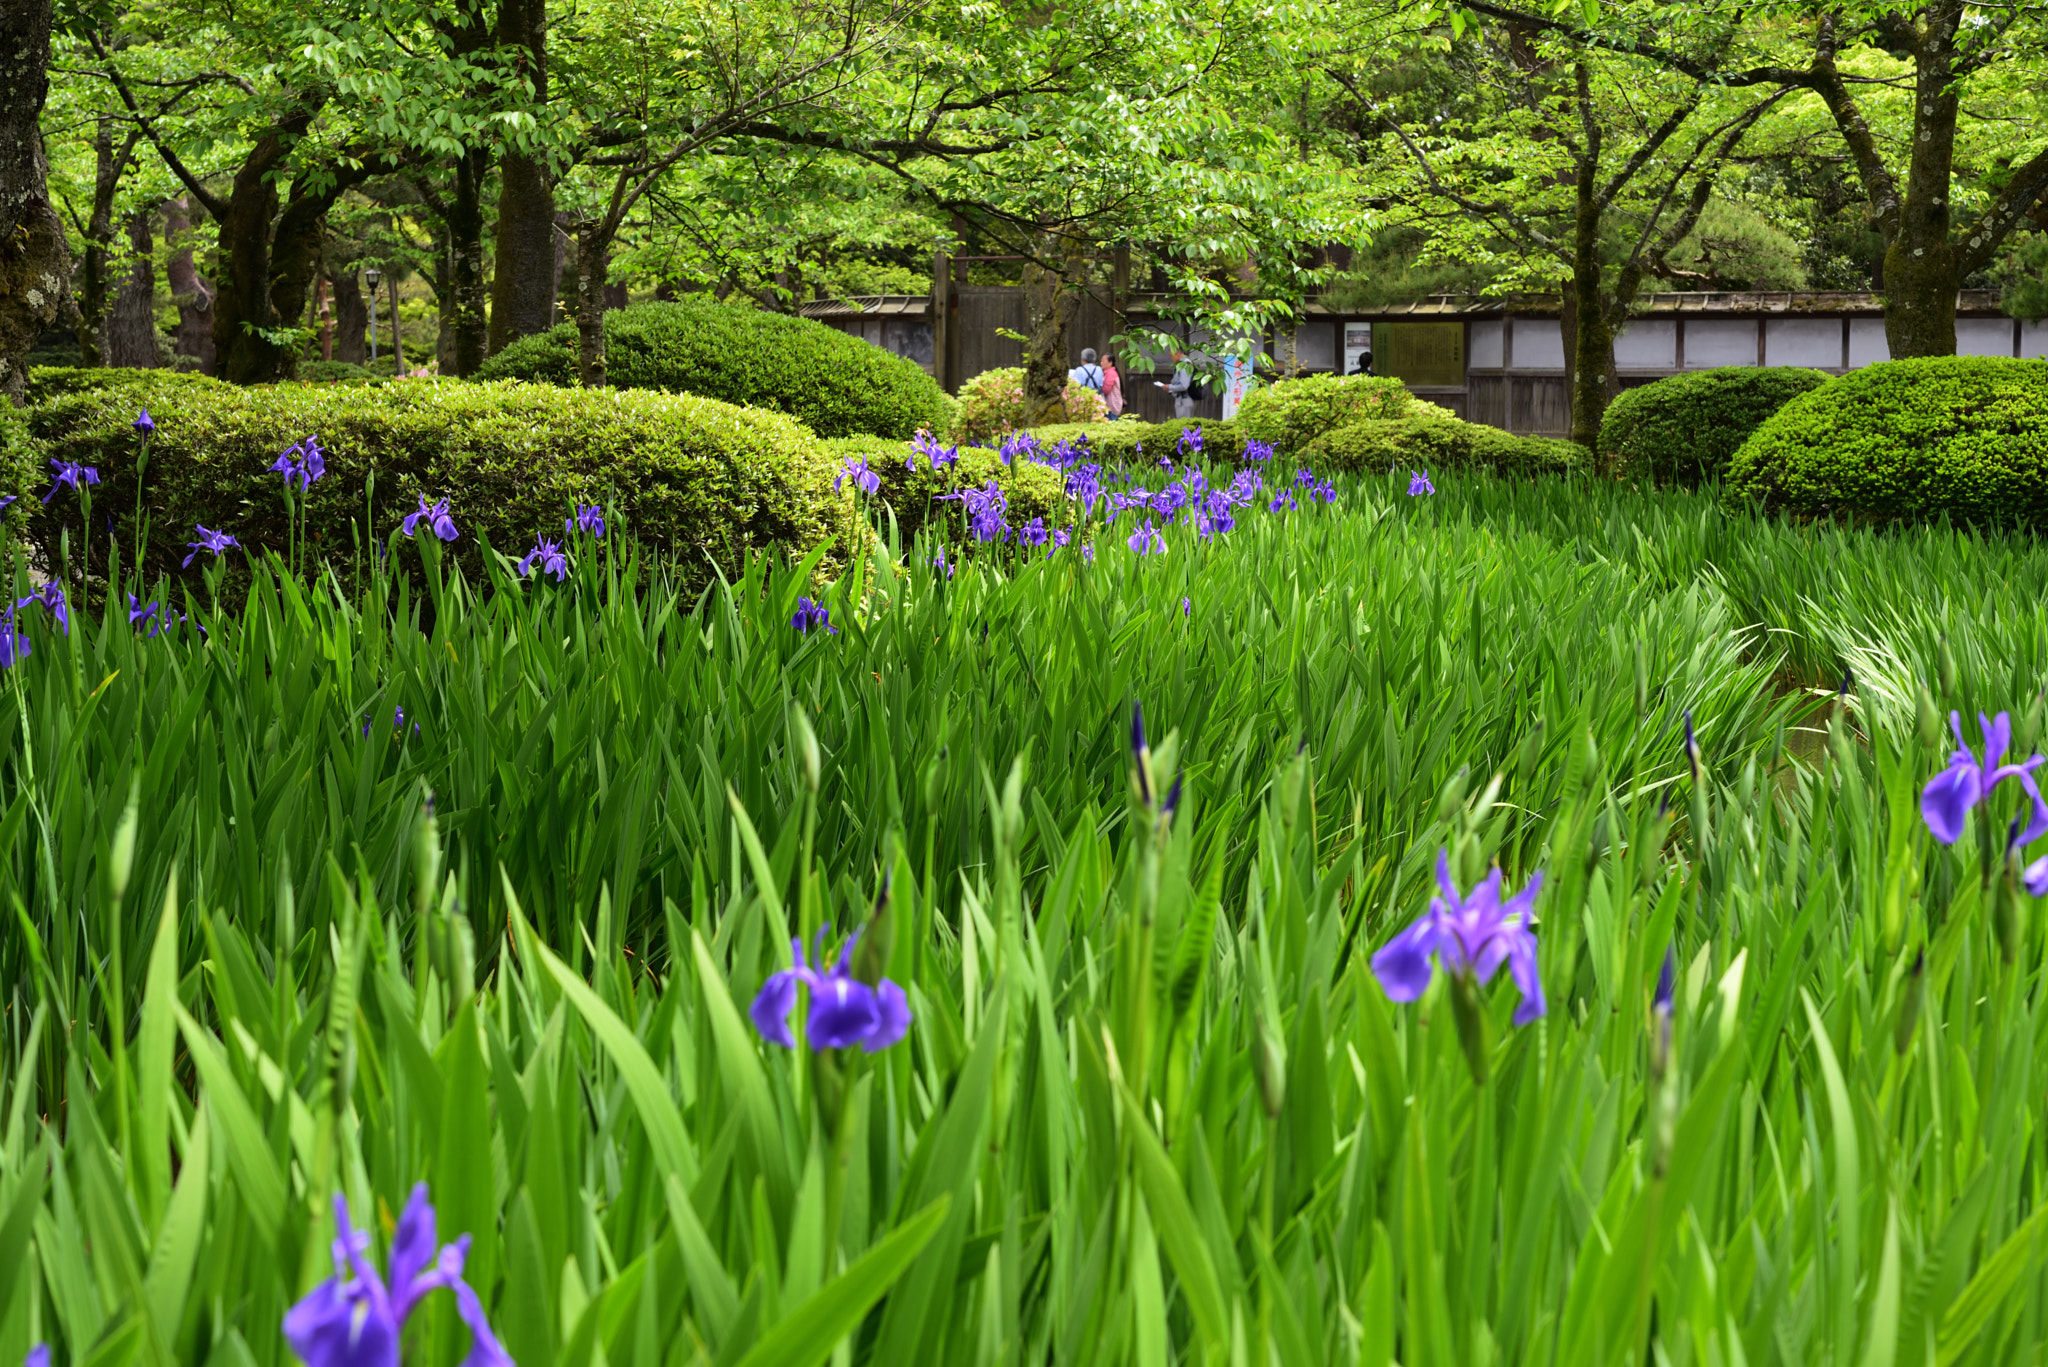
x=373, y=276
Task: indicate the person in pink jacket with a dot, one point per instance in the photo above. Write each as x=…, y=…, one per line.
x=1112, y=387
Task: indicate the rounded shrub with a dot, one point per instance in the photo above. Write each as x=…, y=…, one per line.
x=1683, y=429
x=913, y=490
x=703, y=481
x=1427, y=441
x=992, y=403
x=1964, y=437
x=835, y=384
x=1292, y=413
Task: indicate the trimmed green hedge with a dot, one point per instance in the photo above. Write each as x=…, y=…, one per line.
x=336, y=372
x=1126, y=443
x=1682, y=430
x=1965, y=437
x=47, y=382
x=704, y=480
x=835, y=384
x=1438, y=443
x=1292, y=413
x=1031, y=489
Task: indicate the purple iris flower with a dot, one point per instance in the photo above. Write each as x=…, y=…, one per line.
x=549, y=554
x=1327, y=492
x=1305, y=478
x=1088, y=551
x=1256, y=450
x=811, y=616
x=938, y=562
x=1190, y=443
x=51, y=596
x=140, y=616
x=1418, y=483
x=13, y=645
x=1186, y=608
x=355, y=1319
x=216, y=542
x=1146, y=540
x=844, y=1010
x=1283, y=502
x=1018, y=444
x=73, y=473
x=1060, y=537
x=1471, y=935
x=1032, y=533
x=397, y=721
x=436, y=516
x=303, y=462
x=856, y=469
x=985, y=511
x=1949, y=795
x=589, y=518
x=144, y=423
x=38, y=1356
x=6, y=500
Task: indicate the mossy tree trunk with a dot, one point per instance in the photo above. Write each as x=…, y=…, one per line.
x=526, y=271
x=1926, y=257
x=1050, y=294
x=35, y=259
x=593, y=254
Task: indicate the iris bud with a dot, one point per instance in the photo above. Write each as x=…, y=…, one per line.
x=1945, y=662
x=1927, y=718
x=1909, y=1003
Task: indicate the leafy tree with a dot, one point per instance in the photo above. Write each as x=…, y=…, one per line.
x=1564, y=163
x=1895, y=77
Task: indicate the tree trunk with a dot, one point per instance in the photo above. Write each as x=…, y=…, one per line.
x=1591, y=339
x=469, y=294
x=95, y=267
x=35, y=259
x=1050, y=306
x=397, y=337
x=351, y=318
x=323, y=316
x=528, y=270
x=444, y=308
x=131, y=323
x=1920, y=269
x=241, y=308
x=593, y=251
x=189, y=291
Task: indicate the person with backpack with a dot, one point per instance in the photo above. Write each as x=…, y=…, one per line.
x=1186, y=387
x=1087, y=374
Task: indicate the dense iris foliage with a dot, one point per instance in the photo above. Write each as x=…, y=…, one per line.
x=315, y=901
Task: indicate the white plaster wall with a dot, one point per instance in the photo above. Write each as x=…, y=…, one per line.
x=1867, y=345
x=1718, y=342
x=1813, y=342
x=1983, y=336
x=1487, y=339
x=1647, y=344
x=1539, y=344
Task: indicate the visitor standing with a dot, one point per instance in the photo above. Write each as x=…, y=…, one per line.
x=1112, y=387
x=1087, y=374
x=1184, y=387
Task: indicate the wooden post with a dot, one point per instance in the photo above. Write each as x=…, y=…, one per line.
x=942, y=319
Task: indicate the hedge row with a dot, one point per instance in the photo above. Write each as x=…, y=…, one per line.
x=1961, y=437
x=1682, y=430
x=833, y=383
x=704, y=480
x=912, y=489
x=1290, y=414
x=1425, y=442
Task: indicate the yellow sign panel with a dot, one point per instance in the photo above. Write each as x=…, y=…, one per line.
x=1420, y=353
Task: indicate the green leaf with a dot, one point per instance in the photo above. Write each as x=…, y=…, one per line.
x=806, y=1336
